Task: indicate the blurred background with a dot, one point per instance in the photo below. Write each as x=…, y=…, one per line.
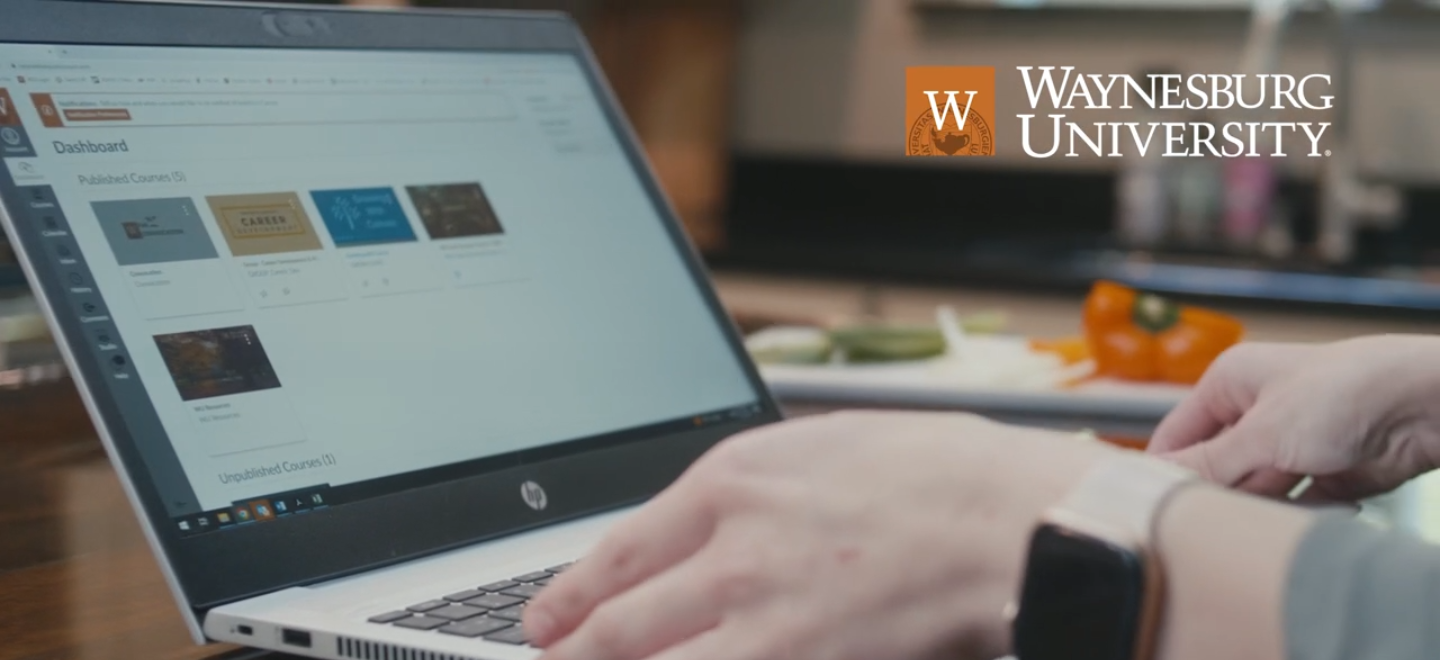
x=776, y=128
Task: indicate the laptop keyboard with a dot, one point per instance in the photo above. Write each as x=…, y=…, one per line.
x=489, y=611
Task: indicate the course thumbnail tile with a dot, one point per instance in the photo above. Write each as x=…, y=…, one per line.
x=152, y=231
x=363, y=216
x=219, y=362
x=264, y=223
x=454, y=210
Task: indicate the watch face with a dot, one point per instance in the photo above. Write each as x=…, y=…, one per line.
x=1082, y=599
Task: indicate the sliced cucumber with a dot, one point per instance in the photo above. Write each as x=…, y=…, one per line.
x=888, y=343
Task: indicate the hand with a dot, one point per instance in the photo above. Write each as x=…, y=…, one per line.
x=1360, y=416
x=845, y=537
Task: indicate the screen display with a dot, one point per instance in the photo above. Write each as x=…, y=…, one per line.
x=308, y=272
x=1081, y=599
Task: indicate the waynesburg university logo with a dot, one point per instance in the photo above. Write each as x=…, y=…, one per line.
x=949, y=110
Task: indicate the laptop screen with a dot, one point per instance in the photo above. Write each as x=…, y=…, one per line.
x=321, y=276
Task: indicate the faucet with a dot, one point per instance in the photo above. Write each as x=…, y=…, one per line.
x=1346, y=203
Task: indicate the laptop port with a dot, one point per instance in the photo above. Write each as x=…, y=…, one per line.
x=295, y=637
x=244, y=630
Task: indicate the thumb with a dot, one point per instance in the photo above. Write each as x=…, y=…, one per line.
x=1228, y=458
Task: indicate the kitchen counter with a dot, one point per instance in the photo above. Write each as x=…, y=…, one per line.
x=1031, y=314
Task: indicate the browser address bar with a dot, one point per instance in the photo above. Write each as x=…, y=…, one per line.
x=97, y=109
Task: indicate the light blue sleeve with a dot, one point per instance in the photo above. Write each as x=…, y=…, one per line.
x=1357, y=592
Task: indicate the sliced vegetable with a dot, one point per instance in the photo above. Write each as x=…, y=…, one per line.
x=985, y=323
x=1071, y=350
x=790, y=345
x=888, y=343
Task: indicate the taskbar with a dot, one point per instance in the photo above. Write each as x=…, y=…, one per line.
x=296, y=502
x=256, y=510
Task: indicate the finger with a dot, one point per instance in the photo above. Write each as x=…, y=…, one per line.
x=667, y=530
x=1228, y=458
x=655, y=615
x=1195, y=419
x=1224, y=394
x=1269, y=482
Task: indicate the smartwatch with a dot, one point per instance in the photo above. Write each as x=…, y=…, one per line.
x=1093, y=586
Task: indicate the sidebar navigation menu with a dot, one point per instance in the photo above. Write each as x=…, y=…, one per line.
x=57, y=259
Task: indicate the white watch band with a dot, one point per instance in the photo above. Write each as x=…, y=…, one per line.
x=1123, y=493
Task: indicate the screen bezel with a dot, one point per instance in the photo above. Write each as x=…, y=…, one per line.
x=581, y=478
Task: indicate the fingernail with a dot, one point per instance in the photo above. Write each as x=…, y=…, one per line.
x=538, y=625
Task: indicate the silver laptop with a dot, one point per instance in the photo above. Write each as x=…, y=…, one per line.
x=381, y=316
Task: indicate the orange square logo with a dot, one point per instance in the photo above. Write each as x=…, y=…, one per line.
x=49, y=115
x=949, y=111
x=8, y=116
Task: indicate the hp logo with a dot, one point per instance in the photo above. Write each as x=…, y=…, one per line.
x=534, y=495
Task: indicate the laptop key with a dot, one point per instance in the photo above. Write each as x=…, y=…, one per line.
x=514, y=635
x=496, y=587
x=543, y=583
x=524, y=590
x=421, y=622
x=476, y=627
x=391, y=617
x=531, y=577
x=456, y=612
x=465, y=595
x=428, y=605
x=494, y=601
x=513, y=613
x=559, y=569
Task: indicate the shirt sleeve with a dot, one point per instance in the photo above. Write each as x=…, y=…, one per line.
x=1358, y=592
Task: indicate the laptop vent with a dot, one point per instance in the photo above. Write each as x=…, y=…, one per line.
x=362, y=650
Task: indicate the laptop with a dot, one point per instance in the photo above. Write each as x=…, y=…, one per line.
x=381, y=316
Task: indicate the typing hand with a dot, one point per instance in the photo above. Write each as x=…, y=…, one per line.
x=845, y=537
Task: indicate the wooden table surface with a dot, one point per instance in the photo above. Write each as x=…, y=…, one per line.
x=76, y=577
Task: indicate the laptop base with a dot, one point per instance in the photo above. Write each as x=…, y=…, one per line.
x=332, y=619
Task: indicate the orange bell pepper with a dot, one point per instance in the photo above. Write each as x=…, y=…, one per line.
x=1142, y=336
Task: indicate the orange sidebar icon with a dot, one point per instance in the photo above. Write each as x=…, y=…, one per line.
x=8, y=115
x=49, y=114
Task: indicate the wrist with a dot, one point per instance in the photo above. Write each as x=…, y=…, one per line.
x=1226, y=560
x=1417, y=419
x=1093, y=578
x=1042, y=468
